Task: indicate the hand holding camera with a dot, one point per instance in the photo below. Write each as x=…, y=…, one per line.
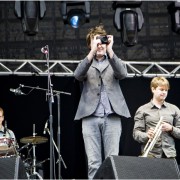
x=104, y=39
x=108, y=40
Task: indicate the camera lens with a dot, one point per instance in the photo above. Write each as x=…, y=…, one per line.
x=104, y=40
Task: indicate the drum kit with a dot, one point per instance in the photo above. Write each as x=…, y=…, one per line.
x=30, y=163
x=8, y=149
x=5, y=147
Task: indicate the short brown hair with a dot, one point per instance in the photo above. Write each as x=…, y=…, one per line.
x=159, y=81
x=99, y=29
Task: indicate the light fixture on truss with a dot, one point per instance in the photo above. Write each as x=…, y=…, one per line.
x=128, y=19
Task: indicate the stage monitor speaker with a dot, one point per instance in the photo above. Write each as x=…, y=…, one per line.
x=12, y=168
x=130, y=167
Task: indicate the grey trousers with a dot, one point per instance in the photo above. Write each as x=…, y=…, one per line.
x=98, y=133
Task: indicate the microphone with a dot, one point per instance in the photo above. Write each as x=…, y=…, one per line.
x=44, y=49
x=45, y=127
x=17, y=91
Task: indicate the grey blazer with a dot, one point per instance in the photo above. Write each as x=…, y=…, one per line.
x=113, y=71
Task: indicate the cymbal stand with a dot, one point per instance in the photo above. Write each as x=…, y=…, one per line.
x=50, y=96
x=34, y=172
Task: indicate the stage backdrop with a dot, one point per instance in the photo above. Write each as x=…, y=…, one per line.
x=22, y=111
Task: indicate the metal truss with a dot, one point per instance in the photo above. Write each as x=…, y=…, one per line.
x=67, y=67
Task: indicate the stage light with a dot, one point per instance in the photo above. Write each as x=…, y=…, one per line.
x=30, y=12
x=174, y=10
x=76, y=17
x=75, y=13
x=128, y=19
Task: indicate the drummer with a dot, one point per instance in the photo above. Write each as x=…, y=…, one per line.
x=7, y=137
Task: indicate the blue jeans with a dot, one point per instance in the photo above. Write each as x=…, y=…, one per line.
x=97, y=131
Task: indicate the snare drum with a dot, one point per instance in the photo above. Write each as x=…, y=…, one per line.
x=6, y=147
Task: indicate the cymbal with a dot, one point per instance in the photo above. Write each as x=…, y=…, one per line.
x=34, y=140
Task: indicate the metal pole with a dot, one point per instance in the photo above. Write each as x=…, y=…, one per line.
x=59, y=133
x=45, y=50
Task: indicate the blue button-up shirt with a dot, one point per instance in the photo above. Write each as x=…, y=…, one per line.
x=104, y=107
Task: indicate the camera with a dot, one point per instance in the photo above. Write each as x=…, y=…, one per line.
x=104, y=39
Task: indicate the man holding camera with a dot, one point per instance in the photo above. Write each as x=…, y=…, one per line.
x=102, y=103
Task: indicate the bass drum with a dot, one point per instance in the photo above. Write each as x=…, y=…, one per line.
x=6, y=147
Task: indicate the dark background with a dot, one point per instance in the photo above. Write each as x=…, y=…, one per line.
x=21, y=112
x=157, y=42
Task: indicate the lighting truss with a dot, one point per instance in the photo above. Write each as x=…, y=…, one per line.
x=67, y=67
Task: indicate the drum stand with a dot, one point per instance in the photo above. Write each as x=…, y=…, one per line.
x=34, y=172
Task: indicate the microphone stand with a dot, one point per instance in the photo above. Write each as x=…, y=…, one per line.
x=58, y=136
x=60, y=157
x=43, y=89
x=50, y=92
x=50, y=100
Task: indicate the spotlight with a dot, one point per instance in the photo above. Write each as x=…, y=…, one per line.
x=76, y=17
x=30, y=12
x=174, y=10
x=128, y=19
x=75, y=13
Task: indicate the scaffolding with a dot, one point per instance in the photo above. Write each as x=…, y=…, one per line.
x=31, y=67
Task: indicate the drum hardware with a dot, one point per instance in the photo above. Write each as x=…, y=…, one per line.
x=8, y=143
x=29, y=166
x=8, y=147
x=15, y=146
x=52, y=93
x=25, y=146
x=34, y=140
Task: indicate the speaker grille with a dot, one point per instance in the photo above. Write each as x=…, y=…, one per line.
x=128, y=167
x=12, y=167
